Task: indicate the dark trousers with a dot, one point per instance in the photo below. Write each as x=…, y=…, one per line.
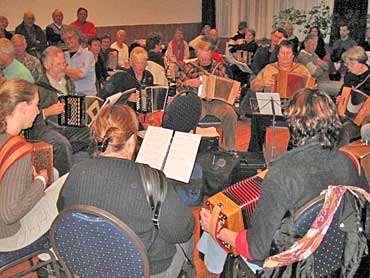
x=65, y=140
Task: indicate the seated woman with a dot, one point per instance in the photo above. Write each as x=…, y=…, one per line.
x=21, y=188
x=296, y=178
x=111, y=181
x=134, y=77
x=358, y=77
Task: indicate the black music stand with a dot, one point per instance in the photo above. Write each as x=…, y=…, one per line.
x=267, y=104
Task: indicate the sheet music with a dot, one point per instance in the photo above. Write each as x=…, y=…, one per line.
x=155, y=146
x=181, y=157
x=265, y=101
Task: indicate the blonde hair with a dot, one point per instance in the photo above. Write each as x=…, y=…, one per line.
x=12, y=92
x=138, y=53
x=204, y=45
x=114, y=126
x=356, y=53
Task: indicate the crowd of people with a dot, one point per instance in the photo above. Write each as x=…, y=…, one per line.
x=39, y=67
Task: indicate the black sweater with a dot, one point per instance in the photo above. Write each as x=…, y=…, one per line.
x=114, y=185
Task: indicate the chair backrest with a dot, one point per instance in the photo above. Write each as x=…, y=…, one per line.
x=328, y=256
x=94, y=243
x=158, y=72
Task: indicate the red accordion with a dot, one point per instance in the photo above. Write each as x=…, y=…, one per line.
x=233, y=207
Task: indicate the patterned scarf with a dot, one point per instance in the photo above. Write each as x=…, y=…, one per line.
x=307, y=245
x=178, y=50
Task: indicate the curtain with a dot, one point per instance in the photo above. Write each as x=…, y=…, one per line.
x=353, y=13
x=209, y=13
x=228, y=15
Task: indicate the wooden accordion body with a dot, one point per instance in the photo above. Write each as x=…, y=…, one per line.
x=79, y=110
x=235, y=206
x=354, y=104
x=42, y=158
x=287, y=84
x=215, y=87
x=359, y=151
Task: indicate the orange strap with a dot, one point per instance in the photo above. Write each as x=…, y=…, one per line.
x=12, y=150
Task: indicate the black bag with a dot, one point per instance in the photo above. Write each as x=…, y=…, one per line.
x=249, y=165
x=217, y=167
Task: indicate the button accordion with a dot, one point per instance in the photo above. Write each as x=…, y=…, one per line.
x=215, y=87
x=287, y=84
x=354, y=105
x=79, y=110
x=151, y=99
x=233, y=207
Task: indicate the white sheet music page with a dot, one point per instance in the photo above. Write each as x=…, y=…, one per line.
x=181, y=157
x=265, y=101
x=155, y=146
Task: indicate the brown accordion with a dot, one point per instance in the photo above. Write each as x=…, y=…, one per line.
x=79, y=110
x=287, y=84
x=354, y=105
x=215, y=87
x=233, y=207
x=42, y=158
x=359, y=152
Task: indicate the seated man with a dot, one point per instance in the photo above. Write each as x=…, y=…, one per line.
x=189, y=76
x=65, y=140
x=154, y=48
x=265, y=81
x=317, y=67
x=295, y=179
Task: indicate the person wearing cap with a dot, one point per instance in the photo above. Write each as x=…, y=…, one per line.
x=240, y=34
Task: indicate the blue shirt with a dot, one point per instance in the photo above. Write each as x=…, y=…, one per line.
x=17, y=70
x=84, y=61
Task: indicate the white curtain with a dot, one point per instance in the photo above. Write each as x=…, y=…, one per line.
x=258, y=13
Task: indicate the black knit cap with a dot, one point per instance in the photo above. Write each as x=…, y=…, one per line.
x=183, y=113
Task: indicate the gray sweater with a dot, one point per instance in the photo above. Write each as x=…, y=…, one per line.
x=114, y=185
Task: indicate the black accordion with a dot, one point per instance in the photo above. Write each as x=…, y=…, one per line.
x=79, y=110
x=152, y=99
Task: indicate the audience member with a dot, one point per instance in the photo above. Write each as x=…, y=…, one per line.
x=366, y=44
x=317, y=67
x=196, y=40
x=320, y=49
x=3, y=25
x=21, y=187
x=240, y=34
x=54, y=30
x=154, y=48
x=80, y=62
x=289, y=28
x=267, y=54
x=65, y=140
x=35, y=37
x=107, y=53
x=100, y=70
x=214, y=40
x=357, y=77
x=265, y=81
x=190, y=76
x=134, y=77
x=115, y=130
x=30, y=62
x=122, y=48
x=87, y=28
x=177, y=51
x=11, y=67
x=295, y=179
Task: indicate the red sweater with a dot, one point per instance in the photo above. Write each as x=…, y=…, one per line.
x=88, y=28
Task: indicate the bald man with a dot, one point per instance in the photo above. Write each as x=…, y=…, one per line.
x=121, y=47
x=35, y=37
x=55, y=29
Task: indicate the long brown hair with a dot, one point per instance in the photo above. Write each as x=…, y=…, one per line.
x=12, y=92
x=311, y=113
x=113, y=127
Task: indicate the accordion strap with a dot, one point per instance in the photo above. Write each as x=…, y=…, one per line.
x=361, y=83
x=12, y=150
x=204, y=71
x=215, y=226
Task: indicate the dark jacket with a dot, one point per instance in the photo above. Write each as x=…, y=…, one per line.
x=114, y=184
x=262, y=57
x=33, y=46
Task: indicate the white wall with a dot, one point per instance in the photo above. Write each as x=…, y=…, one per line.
x=106, y=12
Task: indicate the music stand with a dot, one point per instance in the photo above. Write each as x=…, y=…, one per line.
x=267, y=104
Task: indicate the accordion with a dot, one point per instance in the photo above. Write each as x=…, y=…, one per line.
x=233, y=207
x=287, y=84
x=152, y=99
x=42, y=158
x=354, y=105
x=244, y=56
x=214, y=87
x=79, y=110
x=359, y=152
